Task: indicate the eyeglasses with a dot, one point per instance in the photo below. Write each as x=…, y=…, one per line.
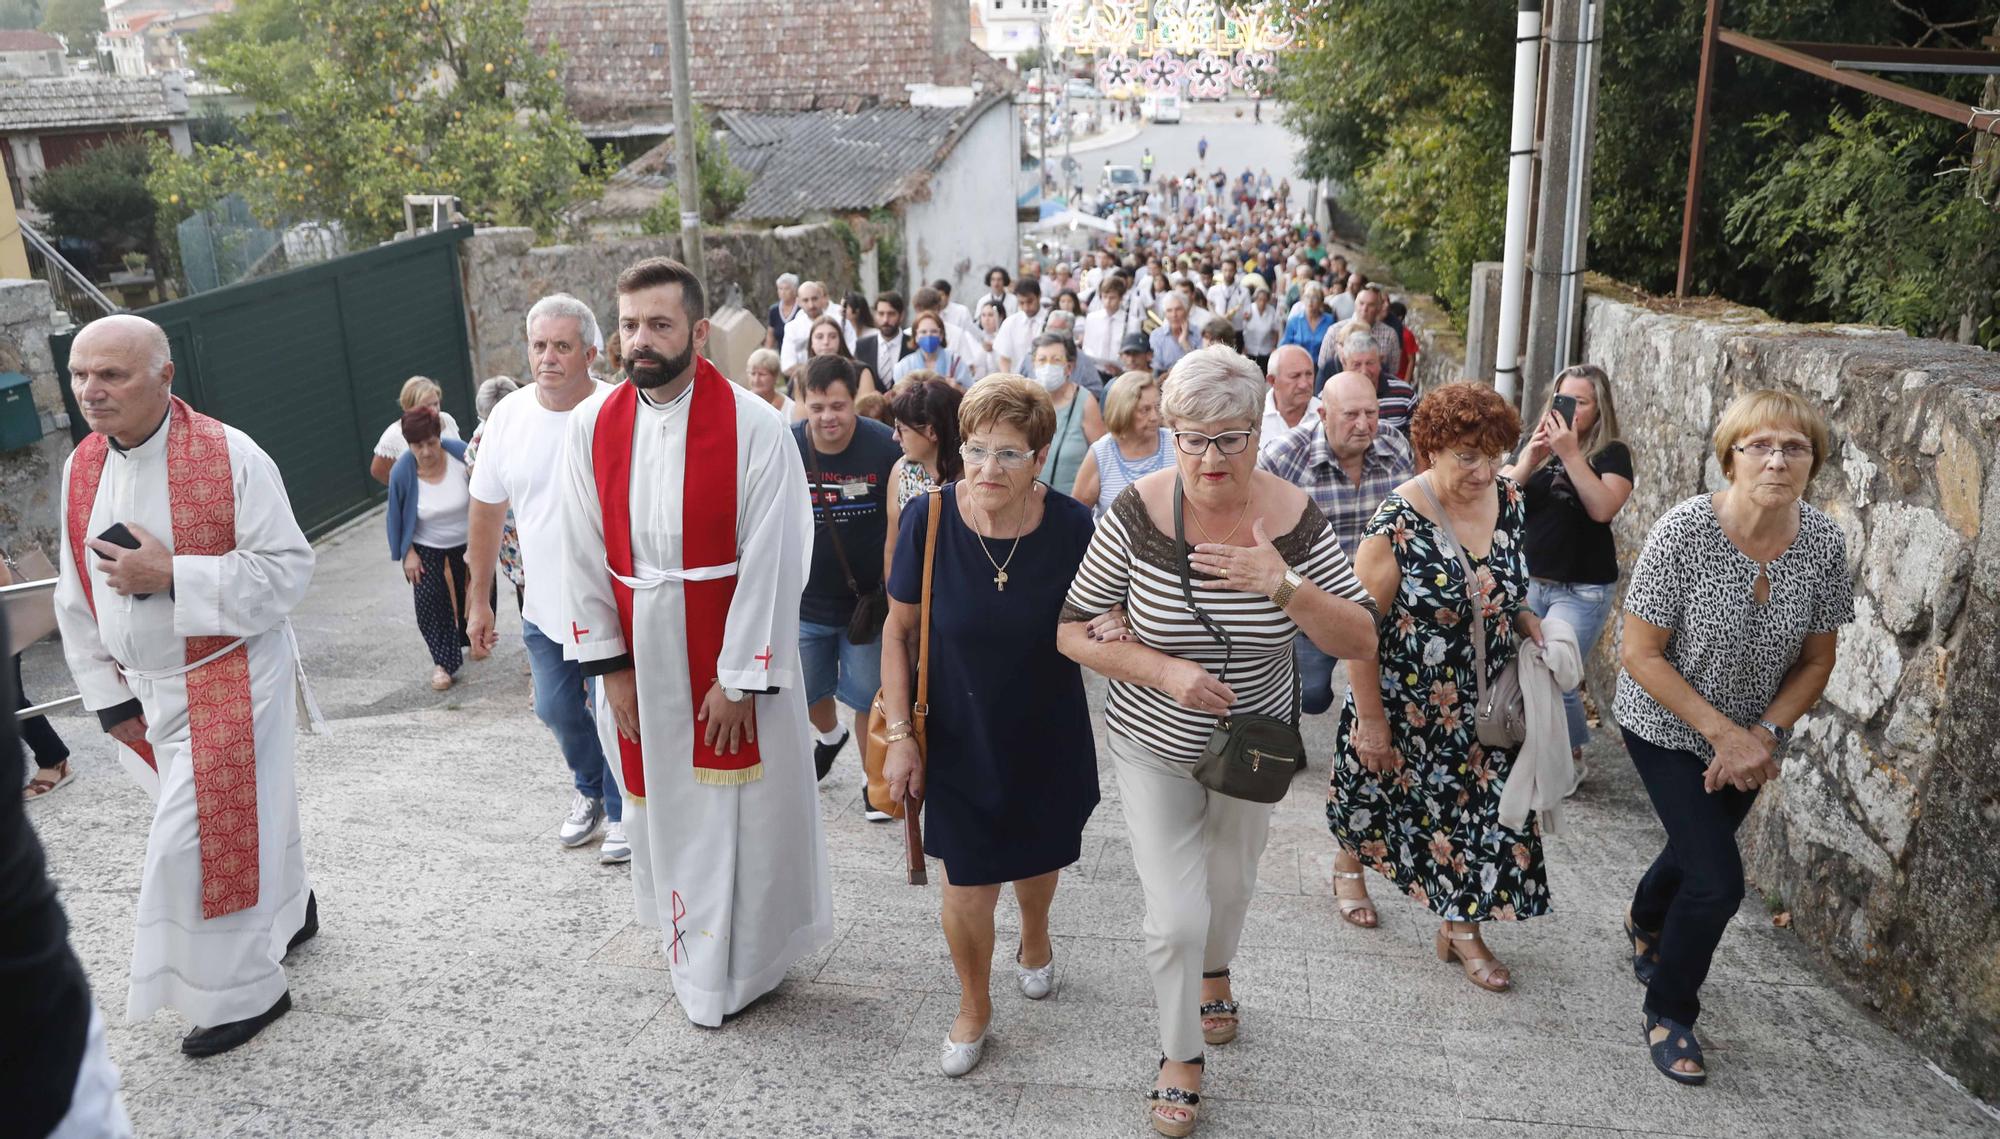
x=1008, y=458
x=1762, y=452
x=1469, y=461
x=1195, y=443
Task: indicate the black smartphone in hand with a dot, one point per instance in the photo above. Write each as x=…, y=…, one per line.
x=1565, y=406
x=119, y=536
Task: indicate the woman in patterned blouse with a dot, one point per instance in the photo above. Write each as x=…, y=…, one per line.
x=1730, y=623
x=1415, y=794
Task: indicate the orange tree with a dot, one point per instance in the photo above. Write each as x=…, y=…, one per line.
x=358, y=102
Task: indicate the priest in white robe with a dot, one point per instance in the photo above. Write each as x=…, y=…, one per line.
x=687, y=534
x=181, y=644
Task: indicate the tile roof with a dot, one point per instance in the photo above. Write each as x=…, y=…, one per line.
x=89, y=101
x=755, y=55
x=807, y=162
x=12, y=39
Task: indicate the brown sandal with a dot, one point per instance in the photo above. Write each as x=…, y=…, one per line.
x=41, y=784
x=1351, y=906
x=1486, y=971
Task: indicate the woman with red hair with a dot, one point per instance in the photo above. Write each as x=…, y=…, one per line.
x=1416, y=796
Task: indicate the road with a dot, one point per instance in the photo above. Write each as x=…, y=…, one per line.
x=1231, y=144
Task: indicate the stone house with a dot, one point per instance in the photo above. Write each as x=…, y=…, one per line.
x=47, y=123
x=30, y=55
x=893, y=109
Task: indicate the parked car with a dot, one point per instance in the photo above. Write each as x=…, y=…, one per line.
x=1162, y=108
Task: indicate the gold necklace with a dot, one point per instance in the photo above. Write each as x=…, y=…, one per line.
x=1000, y=568
x=1240, y=515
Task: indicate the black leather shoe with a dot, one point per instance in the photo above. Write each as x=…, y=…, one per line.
x=824, y=754
x=309, y=928
x=235, y=1034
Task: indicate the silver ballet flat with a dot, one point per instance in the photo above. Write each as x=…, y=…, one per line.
x=957, y=1059
x=1036, y=983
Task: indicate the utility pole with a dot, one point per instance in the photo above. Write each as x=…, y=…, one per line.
x=1520, y=170
x=1561, y=217
x=1042, y=44
x=687, y=174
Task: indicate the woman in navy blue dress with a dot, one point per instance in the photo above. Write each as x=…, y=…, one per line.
x=1012, y=771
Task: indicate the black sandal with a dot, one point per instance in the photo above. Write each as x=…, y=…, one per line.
x=1645, y=962
x=1174, y=1097
x=1678, y=1045
x=1224, y=1011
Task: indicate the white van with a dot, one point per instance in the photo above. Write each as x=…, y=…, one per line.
x=1162, y=108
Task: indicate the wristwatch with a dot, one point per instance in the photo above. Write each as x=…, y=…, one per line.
x=734, y=695
x=1779, y=736
x=1282, y=598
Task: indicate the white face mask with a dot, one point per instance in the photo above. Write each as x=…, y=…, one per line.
x=1052, y=376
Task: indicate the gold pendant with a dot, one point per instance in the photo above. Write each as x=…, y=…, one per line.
x=1000, y=581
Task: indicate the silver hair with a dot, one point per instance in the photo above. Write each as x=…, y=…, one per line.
x=1277, y=359
x=1359, y=340
x=1312, y=292
x=562, y=304
x=791, y=279
x=1066, y=319
x=495, y=389
x=1213, y=385
x=1173, y=298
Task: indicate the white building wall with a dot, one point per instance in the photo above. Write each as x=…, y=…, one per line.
x=967, y=225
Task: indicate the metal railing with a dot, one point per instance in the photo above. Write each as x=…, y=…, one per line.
x=32, y=589
x=74, y=292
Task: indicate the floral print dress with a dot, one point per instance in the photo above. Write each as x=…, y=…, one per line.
x=1433, y=827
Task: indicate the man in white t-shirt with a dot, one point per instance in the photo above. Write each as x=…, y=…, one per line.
x=520, y=467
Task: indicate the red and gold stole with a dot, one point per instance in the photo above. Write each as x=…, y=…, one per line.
x=708, y=538
x=202, y=498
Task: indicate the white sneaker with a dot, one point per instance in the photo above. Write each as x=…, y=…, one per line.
x=585, y=814
x=957, y=1059
x=615, y=848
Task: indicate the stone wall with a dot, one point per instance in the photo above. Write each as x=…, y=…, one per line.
x=1881, y=838
x=505, y=273
x=30, y=477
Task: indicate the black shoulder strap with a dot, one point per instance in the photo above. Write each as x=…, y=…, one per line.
x=1181, y=552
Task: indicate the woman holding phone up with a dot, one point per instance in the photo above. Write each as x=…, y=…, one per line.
x=1576, y=474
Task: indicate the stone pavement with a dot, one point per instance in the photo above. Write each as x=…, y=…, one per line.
x=473, y=979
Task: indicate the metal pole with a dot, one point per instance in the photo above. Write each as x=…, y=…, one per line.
x=1576, y=237
x=688, y=175
x=1692, y=206
x=1554, y=219
x=1527, y=50
x=1042, y=164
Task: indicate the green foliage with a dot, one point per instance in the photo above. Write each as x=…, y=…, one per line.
x=379, y=98
x=1864, y=213
x=77, y=21
x=23, y=15
x=1406, y=107
x=722, y=183
x=102, y=197
x=1027, y=60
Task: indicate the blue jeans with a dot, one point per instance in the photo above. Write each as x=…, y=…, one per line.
x=835, y=668
x=1315, y=676
x=562, y=704
x=1585, y=609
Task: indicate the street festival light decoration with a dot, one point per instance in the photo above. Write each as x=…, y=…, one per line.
x=1161, y=46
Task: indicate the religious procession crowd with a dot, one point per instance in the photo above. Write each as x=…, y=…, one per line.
x=1197, y=467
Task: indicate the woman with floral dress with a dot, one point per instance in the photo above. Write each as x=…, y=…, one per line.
x=1415, y=795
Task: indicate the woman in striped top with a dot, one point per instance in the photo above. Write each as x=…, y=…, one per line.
x=1134, y=444
x=1197, y=851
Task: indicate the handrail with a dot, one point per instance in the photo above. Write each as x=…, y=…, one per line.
x=60, y=264
x=50, y=706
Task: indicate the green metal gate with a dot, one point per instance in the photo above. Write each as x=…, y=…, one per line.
x=309, y=363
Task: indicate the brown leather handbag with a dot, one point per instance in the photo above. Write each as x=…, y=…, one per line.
x=875, y=749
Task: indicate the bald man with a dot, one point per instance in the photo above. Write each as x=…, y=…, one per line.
x=1290, y=400
x=814, y=302
x=181, y=562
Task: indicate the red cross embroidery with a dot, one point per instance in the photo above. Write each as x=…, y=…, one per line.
x=764, y=658
x=577, y=633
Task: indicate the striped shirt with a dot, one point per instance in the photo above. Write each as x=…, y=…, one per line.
x=1301, y=457
x=1131, y=563
x=1115, y=472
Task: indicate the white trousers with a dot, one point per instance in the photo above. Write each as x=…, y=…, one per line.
x=1197, y=854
